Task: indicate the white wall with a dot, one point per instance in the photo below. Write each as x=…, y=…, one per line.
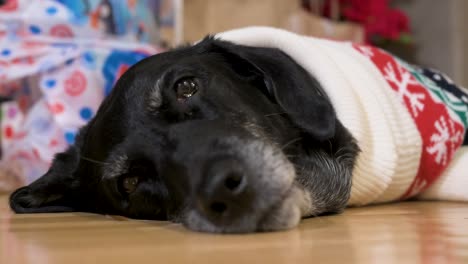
x=440, y=29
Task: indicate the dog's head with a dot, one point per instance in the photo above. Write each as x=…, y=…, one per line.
x=210, y=135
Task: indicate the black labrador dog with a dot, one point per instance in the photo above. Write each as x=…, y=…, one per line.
x=220, y=137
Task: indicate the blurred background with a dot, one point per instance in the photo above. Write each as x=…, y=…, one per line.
x=60, y=58
x=432, y=33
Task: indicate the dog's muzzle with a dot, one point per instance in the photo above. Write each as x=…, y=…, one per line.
x=233, y=179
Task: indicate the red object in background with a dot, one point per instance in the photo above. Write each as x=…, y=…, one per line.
x=9, y=5
x=62, y=31
x=377, y=17
x=75, y=84
x=53, y=143
x=121, y=70
x=56, y=108
x=8, y=132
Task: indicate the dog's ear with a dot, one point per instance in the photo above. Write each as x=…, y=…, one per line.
x=298, y=94
x=55, y=190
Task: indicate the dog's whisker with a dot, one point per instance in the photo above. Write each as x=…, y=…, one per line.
x=331, y=146
x=337, y=153
x=94, y=161
x=343, y=151
x=273, y=114
x=291, y=142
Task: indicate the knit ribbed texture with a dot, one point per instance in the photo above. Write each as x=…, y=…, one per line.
x=379, y=156
x=453, y=184
x=405, y=134
x=387, y=135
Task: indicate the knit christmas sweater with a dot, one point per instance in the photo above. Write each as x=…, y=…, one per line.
x=409, y=122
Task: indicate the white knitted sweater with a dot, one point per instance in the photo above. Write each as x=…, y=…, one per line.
x=384, y=127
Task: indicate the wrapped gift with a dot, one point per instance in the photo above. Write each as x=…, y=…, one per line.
x=58, y=60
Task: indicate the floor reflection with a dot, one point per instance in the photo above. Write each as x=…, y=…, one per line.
x=397, y=233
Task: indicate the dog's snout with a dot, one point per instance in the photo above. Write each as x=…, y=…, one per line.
x=224, y=193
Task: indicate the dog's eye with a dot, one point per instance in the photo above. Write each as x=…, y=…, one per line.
x=185, y=88
x=137, y=173
x=130, y=183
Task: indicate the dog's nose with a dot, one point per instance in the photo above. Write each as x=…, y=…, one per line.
x=224, y=192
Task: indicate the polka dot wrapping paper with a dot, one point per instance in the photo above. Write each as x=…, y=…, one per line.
x=58, y=60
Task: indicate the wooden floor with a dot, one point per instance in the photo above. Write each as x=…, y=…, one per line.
x=418, y=232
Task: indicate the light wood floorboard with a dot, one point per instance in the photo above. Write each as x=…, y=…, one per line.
x=412, y=232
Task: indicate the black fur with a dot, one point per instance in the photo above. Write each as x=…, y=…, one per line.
x=245, y=94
